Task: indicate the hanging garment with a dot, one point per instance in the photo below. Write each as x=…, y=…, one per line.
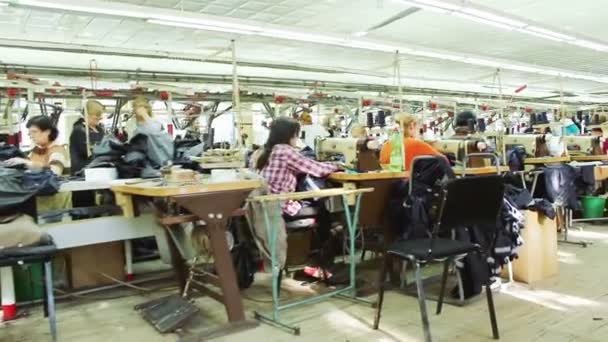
x=560, y=186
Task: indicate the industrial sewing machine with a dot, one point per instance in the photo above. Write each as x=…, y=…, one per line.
x=583, y=145
x=534, y=144
x=357, y=153
x=458, y=148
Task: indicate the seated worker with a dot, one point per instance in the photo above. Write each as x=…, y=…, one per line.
x=280, y=162
x=358, y=131
x=464, y=125
x=598, y=132
x=413, y=146
x=45, y=154
x=160, y=144
x=79, y=155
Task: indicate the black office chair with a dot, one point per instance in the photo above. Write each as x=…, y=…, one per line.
x=14, y=256
x=466, y=202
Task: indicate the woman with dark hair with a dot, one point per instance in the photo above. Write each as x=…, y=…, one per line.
x=279, y=162
x=45, y=154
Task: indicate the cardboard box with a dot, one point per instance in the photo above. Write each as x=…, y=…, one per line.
x=538, y=258
x=85, y=264
x=600, y=173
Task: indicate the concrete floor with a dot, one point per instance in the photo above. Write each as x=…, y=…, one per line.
x=570, y=307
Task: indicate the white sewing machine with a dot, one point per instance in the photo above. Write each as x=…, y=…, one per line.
x=357, y=152
x=534, y=144
x=583, y=144
x=457, y=147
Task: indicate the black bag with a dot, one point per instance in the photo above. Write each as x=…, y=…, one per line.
x=244, y=264
x=44, y=183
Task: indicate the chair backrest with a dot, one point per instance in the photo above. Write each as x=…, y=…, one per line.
x=427, y=169
x=471, y=201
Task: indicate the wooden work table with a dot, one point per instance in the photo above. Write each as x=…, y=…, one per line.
x=546, y=160
x=366, y=176
x=581, y=158
x=213, y=203
x=477, y=171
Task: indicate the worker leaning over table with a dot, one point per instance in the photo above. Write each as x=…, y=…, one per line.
x=413, y=146
x=79, y=154
x=159, y=142
x=45, y=154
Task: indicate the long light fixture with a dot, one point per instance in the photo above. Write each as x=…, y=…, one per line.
x=198, y=26
x=501, y=21
x=229, y=26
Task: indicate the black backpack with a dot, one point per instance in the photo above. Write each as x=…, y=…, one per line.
x=244, y=264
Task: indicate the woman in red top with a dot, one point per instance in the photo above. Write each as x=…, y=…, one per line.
x=280, y=162
x=413, y=146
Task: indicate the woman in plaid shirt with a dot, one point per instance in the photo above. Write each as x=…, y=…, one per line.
x=280, y=162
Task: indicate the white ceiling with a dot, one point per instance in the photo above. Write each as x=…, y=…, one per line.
x=424, y=28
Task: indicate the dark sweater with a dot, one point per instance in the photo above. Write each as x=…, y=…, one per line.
x=78, y=145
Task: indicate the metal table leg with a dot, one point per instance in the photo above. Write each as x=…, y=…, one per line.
x=48, y=280
x=348, y=292
x=567, y=226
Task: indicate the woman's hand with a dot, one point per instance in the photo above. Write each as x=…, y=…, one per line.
x=481, y=146
x=18, y=161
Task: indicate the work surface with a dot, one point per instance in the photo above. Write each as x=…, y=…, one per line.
x=572, y=308
x=155, y=189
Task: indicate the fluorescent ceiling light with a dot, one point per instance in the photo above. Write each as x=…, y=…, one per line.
x=590, y=45
x=493, y=17
x=234, y=27
x=80, y=8
x=504, y=22
x=198, y=27
x=549, y=32
x=360, y=44
x=205, y=22
x=541, y=35
x=301, y=36
x=483, y=21
x=431, y=54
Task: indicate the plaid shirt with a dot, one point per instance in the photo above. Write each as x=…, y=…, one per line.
x=284, y=164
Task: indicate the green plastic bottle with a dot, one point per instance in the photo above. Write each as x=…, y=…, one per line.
x=397, y=152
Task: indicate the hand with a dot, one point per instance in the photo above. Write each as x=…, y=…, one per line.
x=338, y=165
x=482, y=146
x=17, y=161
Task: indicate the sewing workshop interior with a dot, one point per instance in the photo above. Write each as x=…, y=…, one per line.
x=303, y=170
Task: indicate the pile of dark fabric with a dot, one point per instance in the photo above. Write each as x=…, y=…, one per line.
x=17, y=229
x=130, y=159
x=9, y=151
x=186, y=148
x=17, y=186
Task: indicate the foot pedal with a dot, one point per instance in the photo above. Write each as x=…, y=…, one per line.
x=167, y=314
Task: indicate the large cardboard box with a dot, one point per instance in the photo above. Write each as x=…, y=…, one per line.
x=538, y=258
x=86, y=264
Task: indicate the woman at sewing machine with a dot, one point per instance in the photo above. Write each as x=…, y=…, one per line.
x=280, y=162
x=413, y=146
